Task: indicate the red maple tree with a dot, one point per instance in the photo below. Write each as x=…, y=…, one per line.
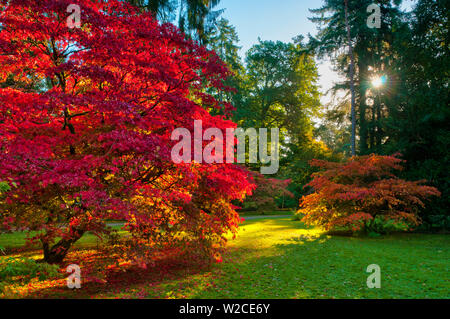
x=266, y=192
x=361, y=192
x=86, y=116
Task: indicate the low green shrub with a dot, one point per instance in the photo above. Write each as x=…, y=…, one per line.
x=382, y=226
x=25, y=269
x=4, y=187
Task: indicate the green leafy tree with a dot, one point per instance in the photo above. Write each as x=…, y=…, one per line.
x=282, y=89
x=334, y=129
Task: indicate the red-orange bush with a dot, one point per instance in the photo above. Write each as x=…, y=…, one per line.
x=362, y=193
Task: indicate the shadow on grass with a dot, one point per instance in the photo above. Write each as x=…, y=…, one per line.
x=103, y=276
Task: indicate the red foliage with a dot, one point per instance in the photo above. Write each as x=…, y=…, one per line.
x=353, y=194
x=85, y=125
x=267, y=190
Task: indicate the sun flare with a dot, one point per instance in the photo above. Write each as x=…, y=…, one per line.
x=377, y=82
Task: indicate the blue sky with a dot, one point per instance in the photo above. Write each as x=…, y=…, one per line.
x=278, y=20
x=269, y=19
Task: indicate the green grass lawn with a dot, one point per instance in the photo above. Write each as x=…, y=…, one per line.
x=285, y=259
x=18, y=239
x=280, y=258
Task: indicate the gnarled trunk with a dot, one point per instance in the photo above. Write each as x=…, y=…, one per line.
x=55, y=254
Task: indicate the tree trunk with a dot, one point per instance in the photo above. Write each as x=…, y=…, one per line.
x=55, y=254
x=379, y=126
x=352, y=83
x=363, y=129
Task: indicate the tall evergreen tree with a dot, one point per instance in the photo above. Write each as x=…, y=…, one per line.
x=352, y=84
x=418, y=109
x=197, y=18
x=370, y=45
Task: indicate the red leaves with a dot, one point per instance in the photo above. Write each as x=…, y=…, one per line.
x=354, y=193
x=86, y=122
x=267, y=189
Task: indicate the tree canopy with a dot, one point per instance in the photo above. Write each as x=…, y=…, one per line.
x=86, y=121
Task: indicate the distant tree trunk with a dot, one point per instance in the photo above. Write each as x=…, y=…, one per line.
x=379, y=126
x=352, y=83
x=372, y=128
x=363, y=129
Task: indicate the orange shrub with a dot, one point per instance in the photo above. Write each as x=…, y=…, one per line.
x=362, y=193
